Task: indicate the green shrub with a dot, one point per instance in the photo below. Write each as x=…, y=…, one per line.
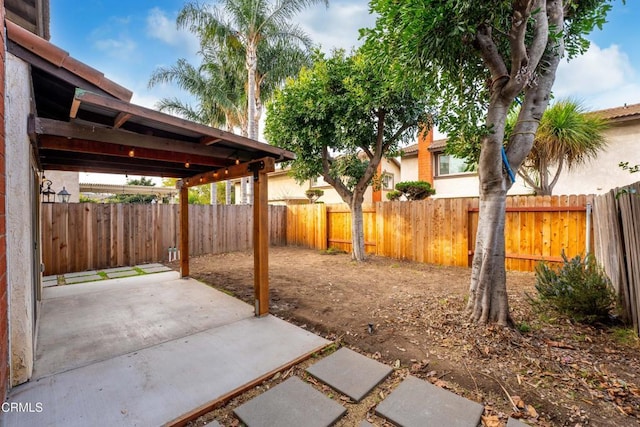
x=579, y=288
x=394, y=195
x=415, y=190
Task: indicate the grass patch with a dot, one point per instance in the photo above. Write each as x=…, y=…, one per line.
x=332, y=251
x=626, y=336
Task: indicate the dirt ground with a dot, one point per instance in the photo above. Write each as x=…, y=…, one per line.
x=548, y=372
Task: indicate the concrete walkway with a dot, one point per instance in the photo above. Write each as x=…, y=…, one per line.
x=143, y=351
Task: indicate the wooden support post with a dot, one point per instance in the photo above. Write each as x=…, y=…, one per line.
x=260, y=243
x=184, y=231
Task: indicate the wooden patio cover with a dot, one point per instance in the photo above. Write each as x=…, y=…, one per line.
x=84, y=122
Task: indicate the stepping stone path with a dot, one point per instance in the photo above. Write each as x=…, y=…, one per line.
x=418, y=403
x=414, y=403
x=292, y=403
x=512, y=422
x=109, y=273
x=350, y=373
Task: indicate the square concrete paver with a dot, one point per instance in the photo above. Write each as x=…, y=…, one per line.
x=512, y=422
x=365, y=423
x=417, y=403
x=123, y=273
x=292, y=403
x=81, y=279
x=350, y=373
x=116, y=269
x=80, y=273
x=53, y=278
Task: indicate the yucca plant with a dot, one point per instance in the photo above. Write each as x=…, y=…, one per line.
x=567, y=137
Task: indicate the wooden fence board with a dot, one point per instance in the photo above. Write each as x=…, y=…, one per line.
x=83, y=236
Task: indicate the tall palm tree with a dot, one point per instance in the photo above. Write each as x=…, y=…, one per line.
x=218, y=88
x=261, y=30
x=252, y=26
x=568, y=136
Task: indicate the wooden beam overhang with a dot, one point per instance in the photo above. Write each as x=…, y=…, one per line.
x=254, y=167
x=61, y=143
x=41, y=126
x=210, y=134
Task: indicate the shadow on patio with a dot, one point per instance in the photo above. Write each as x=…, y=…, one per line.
x=146, y=351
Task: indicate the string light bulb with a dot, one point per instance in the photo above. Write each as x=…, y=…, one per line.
x=186, y=164
x=237, y=160
x=132, y=152
x=226, y=171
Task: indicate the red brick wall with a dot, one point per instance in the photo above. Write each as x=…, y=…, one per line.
x=4, y=327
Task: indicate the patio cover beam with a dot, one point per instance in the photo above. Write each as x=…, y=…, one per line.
x=264, y=165
x=184, y=231
x=261, y=243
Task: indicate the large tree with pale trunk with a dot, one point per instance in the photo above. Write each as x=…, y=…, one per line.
x=481, y=56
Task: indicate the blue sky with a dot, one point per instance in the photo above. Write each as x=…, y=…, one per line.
x=128, y=40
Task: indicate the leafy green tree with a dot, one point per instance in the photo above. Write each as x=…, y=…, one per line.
x=480, y=56
x=198, y=195
x=340, y=118
x=567, y=136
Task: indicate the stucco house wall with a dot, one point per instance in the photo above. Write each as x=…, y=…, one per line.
x=601, y=174
x=68, y=180
x=283, y=189
x=20, y=252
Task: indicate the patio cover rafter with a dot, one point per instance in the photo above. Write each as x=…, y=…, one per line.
x=264, y=165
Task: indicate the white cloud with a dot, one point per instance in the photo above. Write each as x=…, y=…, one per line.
x=161, y=27
x=338, y=25
x=121, y=48
x=601, y=78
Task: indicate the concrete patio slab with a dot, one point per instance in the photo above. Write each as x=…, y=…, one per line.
x=156, y=385
x=153, y=265
x=417, y=403
x=292, y=403
x=53, y=278
x=81, y=273
x=155, y=269
x=82, y=279
x=350, y=373
x=365, y=423
x=97, y=321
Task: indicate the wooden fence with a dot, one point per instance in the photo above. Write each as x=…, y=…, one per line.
x=617, y=245
x=442, y=231
x=87, y=236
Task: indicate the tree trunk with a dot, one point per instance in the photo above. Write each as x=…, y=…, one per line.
x=488, y=293
x=357, y=229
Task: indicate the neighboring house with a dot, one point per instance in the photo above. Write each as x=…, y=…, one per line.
x=284, y=190
x=427, y=161
x=601, y=174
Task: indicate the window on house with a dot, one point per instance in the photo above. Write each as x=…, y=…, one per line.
x=450, y=165
x=387, y=181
